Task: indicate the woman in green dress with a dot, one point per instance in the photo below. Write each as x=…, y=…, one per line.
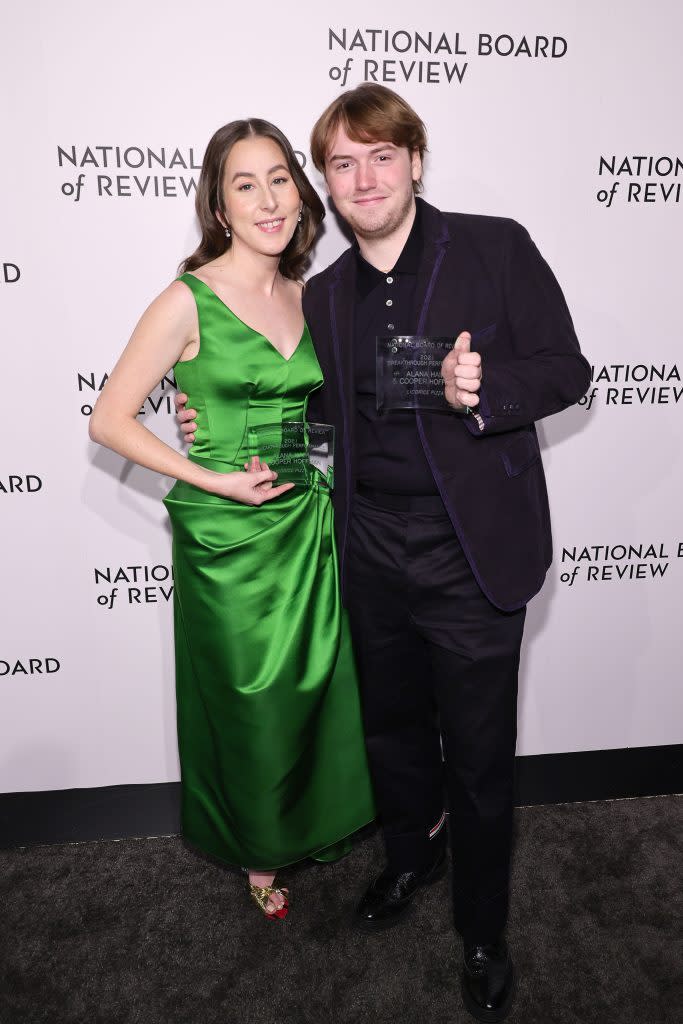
x=272, y=757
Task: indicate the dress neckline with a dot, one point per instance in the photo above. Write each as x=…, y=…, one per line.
x=248, y=326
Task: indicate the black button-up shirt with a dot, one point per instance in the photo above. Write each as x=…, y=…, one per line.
x=390, y=456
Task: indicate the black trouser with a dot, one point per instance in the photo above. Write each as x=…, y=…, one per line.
x=437, y=661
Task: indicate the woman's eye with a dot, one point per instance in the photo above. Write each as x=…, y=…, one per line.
x=280, y=181
x=245, y=186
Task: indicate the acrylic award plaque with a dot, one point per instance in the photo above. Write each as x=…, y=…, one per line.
x=409, y=372
x=321, y=453
x=300, y=453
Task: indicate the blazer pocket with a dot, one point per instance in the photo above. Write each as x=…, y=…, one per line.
x=521, y=453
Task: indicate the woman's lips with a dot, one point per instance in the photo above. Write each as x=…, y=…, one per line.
x=269, y=227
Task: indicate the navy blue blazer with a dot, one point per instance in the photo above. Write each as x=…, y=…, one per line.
x=483, y=275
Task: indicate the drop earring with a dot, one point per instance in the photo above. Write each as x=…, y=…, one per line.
x=227, y=232
x=300, y=218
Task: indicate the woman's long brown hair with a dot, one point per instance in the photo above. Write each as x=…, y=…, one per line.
x=295, y=258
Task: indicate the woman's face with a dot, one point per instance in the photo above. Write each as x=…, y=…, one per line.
x=260, y=200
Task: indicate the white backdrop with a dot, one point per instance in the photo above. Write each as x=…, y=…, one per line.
x=91, y=233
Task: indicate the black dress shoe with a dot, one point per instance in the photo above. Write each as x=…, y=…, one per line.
x=389, y=896
x=488, y=982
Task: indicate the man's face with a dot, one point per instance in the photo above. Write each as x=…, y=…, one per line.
x=371, y=184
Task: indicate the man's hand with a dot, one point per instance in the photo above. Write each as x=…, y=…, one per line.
x=185, y=418
x=461, y=372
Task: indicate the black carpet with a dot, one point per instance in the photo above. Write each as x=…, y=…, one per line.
x=146, y=931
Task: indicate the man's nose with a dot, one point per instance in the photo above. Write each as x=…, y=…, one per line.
x=366, y=178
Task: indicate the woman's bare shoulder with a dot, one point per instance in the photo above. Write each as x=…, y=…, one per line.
x=176, y=295
x=174, y=306
x=295, y=289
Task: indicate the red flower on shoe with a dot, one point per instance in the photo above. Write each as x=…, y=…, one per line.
x=282, y=912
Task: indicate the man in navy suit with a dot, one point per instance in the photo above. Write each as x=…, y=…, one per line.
x=442, y=519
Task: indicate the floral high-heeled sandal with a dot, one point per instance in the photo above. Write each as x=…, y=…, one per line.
x=262, y=896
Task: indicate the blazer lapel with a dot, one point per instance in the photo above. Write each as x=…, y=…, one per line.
x=342, y=308
x=436, y=241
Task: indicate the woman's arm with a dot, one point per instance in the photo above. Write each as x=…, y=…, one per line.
x=167, y=328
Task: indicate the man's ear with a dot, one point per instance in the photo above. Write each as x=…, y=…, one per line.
x=416, y=165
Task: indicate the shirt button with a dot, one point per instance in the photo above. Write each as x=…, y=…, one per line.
x=390, y=327
x=390, y=302
x=390, y=280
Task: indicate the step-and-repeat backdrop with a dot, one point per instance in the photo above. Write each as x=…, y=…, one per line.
x=564, y=116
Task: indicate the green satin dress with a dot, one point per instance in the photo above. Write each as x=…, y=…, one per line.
x=273, y=763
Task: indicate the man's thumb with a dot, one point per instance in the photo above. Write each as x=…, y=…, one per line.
x=462, y=342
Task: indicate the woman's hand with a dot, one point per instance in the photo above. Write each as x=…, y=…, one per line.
x=255, y=465
x=251, y=488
